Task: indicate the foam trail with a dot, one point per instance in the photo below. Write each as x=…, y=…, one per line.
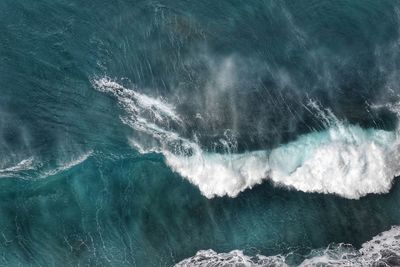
x=68, y=165
x=344, y=159
x=382, y=250
x=40, y=169
x=24, y=165
x=136, y=102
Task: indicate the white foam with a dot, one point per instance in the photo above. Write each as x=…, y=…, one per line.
x=67, y=165
x=39, y=168
x=24, y=165
x=382, y=250
x=233, y=258
x=345, y=159
x=138, y=103
x=217, y=174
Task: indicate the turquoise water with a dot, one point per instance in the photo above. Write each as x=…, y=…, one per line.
x=96, y=176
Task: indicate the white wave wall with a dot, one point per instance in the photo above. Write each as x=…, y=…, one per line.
x=382, y=250
x=344, y=159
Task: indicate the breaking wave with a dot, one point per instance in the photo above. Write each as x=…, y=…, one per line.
x=382, y=250
x=342, y=159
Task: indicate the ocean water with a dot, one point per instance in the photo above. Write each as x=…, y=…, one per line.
x=199, y=133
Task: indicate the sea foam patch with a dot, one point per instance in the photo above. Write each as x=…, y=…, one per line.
x=381, y=250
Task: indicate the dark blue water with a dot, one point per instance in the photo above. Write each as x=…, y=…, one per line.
x=99, y=176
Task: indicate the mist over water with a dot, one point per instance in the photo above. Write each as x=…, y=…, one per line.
x=154, y=133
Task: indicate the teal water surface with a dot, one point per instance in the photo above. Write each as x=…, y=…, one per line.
x=73, y=190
